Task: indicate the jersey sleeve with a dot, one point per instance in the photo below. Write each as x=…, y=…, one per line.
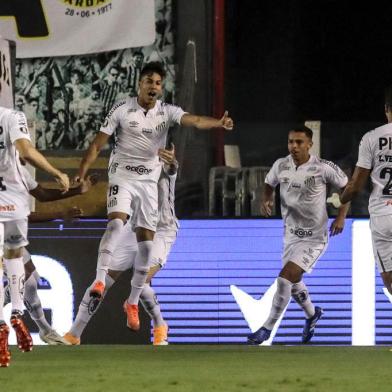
x=365, y=153
x=272, y=178
x=175, y=114
x=30, y=182
x=112, y=120
x=334, y=175
x=17, y=125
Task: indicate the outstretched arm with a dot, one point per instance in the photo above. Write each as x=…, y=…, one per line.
x=47, y=194
x=355, y=185
x=92, y=153
x=35, y=158
x=69, y=214
x=204, y=122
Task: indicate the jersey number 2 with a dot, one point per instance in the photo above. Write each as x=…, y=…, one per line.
x=387, y=191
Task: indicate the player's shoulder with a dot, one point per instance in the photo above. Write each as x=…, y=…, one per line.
x=326, y=164
x=283, y=163
x=118, y=106
x=164, y=106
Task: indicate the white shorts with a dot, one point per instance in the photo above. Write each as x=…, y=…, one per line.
x=381, y=228
x=138, y=199
x=125, y=253
x=161, y=248
x=304, y=253
x=13, y=234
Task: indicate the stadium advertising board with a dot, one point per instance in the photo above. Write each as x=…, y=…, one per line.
x=218, y=284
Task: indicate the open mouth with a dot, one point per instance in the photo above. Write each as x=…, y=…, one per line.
x=152, y=94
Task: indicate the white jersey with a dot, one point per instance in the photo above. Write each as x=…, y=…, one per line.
x=303, y=195
x=375, y=153
x=14, y=195
x=167, y=220
x=138, y=136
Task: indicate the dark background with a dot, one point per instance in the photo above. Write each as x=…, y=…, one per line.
x=303, y=60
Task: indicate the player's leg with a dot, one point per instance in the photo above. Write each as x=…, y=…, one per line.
x=15, y=238
x=145, y=205
x=161, y=249
x=106, y=249
x=5, y=355
x=382, y=247
x=88, y=307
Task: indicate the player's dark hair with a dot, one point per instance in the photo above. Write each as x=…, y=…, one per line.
x=302, y=128
x=153, y=67
x=388, y=98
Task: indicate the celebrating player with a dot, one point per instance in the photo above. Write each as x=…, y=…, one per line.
x=303, y=179
x=140, y=125
x=374, y=154
x=31, y=299
x=124, y=257
x=14, y=209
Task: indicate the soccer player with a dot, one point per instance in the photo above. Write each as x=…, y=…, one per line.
x=303, y=179
x=124, y=258
x=31, y=299
x=374, y=160
x=14, y=209
x=140, y=125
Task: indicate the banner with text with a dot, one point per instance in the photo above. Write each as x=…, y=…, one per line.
x=49, y=28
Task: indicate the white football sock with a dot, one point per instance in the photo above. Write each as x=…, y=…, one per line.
x=33, y=303
x=107, y=246
x=151, y=305
x=279, y=302
x=16, y=274
x=140, y=271
x=300, y=293
x=87, y=308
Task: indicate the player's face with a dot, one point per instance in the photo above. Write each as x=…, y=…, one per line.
x=150, y=89
x=299, y=145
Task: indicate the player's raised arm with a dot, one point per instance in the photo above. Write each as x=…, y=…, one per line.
x=91, y=154
x=205, y=122
x=28, y=152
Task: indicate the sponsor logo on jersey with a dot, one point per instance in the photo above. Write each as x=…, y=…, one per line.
x=310, y=181
x=138, y=169
x=133, y=124
x=312, y=169
x=7, y=208
x=147, y=131
x=305, y=260
x=301, y=233
x=296, y=185
x=131, y=111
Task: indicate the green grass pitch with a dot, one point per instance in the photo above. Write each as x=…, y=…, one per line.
x=206, y=368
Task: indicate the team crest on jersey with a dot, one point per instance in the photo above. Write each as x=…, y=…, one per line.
x=312, y=169
x=161, y=127
x=310, y=181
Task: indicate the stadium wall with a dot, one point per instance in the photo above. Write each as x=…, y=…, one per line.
x=216, y=285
